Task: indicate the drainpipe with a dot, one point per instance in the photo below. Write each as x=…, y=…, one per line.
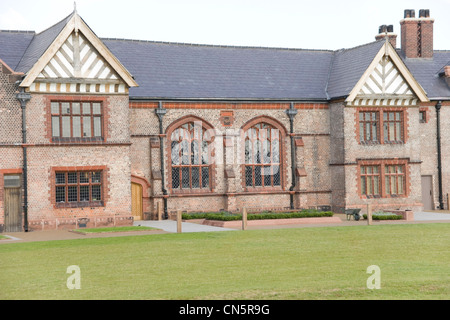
x=439, y=154
x=23, y=99
x=160, y=112
x=292, y=112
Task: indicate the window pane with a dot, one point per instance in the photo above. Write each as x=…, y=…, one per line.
x=205, y=152
x=195, y=152
x=267, y=176
x=392, y=131
x=76, y=108
x=66, y=127
x=65, y=108
x=258, y=177
x=55, y=127
x=55, y=107
x=276, y=176
x=72, y=194
x=96, y=108
x=86, y=108
x=361, y=132
x=185, y=178
x=76, y=127
x=96, y=177
x=275, y=151
x=60, y=178
x=248, y=152
x=363, y=185
x=175, y=153
x=60, y=194
x=87, y=127
x=84, y=193
x=97, y=127
x=175, y=178
x=96, y=193
x=266, y=151
x=400, y=185
x=72, y=177
x=185, y=152
x=374, y=131
x=398, y=131
x=205, y=177
x=84, y=177
x=257, y=152
x=195, y=177
x=248, y=176
x=387, y=185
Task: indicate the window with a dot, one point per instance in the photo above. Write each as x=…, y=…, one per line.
x=79, y=189
x=262, y=156
x=76, y=121
x=423, y=116
x=394, y=180
x=381, y=126
x=370, y=180
x=368, y=126
x=190, y=157
x=392, y=122
x=383, y=178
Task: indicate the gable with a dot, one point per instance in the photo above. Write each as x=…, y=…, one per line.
x=387, y=82
x=77, y=67
x=78, y=62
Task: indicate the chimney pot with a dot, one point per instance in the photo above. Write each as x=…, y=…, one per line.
x=424, y=13
x=410, y=13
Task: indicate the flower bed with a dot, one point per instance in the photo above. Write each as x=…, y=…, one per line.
x=381, y=215
x=226, y=219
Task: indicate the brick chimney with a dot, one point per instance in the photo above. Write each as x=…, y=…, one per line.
x=388, y=31
x=417, y=34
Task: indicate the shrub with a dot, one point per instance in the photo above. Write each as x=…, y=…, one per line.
x=381, y=215
x=226, y=216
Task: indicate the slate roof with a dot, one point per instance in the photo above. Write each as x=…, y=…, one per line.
x=189, y=71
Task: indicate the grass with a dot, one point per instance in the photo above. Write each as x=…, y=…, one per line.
x=303, y=263
x=114, y=229
x=3, y=237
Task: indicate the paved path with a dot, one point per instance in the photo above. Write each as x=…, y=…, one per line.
x=431, y=216
x=171, y=226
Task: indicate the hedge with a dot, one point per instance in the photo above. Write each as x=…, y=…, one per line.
x=384, y=216
x=226, y=216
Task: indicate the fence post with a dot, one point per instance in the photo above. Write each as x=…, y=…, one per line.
x=179, y=215
x=244, y=219
x=369, y=214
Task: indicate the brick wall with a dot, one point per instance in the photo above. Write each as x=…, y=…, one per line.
x=230, y=193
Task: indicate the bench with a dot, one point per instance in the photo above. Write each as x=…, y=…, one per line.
x=352, y=212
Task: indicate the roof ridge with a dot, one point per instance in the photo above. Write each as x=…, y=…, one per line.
x=18, y=31
x=216, y=45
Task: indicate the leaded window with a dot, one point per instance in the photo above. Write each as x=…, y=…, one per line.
x=262, y=156
x=78, y=189
x=190, y=157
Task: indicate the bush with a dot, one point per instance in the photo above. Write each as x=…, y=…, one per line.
x=380, y=215
x=226, y=216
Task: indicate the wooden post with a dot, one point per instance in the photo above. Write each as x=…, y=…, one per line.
x=369, y=214
x=159, y=210
x=244, y=219
x=179, y=221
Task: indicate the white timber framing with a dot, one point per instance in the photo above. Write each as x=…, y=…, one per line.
x=53, y=73
x=387, y=82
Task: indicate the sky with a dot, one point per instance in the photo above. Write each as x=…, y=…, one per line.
x=311, y=24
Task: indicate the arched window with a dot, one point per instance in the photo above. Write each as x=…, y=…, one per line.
x=263, y=153
x=190, y=156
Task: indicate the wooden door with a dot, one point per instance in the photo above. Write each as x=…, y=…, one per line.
x=136, y=201
x=427, y=194
x=13, y=209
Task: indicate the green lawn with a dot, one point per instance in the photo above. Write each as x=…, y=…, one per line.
x=304, y=263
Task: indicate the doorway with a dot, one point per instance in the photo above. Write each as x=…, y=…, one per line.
x=427, y=193
x=136, y=201
x=13, y=203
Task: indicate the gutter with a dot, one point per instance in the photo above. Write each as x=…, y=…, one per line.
x=292, y=112
x=160, y=112
x=439, y=153
x=23, y=99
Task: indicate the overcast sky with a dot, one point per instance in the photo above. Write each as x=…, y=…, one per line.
x=312, y=24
